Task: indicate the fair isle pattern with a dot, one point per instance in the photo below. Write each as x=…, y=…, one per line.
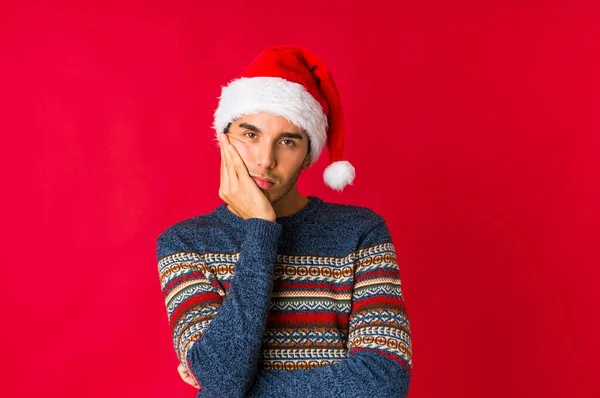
x=379, y=320
x=192, y=298
x=321, y=307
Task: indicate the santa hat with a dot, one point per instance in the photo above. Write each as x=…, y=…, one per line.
x=292, y=82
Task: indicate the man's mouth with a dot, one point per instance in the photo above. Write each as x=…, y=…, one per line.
x=263, y=183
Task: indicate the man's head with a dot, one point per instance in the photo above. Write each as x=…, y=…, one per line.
x=294, y=84
x=272, y=148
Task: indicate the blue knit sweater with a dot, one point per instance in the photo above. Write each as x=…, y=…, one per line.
x=307, y=306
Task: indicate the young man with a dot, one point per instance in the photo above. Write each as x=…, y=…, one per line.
x=274, y=294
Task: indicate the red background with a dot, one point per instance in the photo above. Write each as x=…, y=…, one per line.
x=473, y=128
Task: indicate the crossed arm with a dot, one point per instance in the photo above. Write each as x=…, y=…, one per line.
x=218, y=340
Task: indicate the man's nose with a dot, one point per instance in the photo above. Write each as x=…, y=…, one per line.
x=265, y=156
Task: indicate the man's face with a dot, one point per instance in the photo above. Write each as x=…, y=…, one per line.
x=272, y=148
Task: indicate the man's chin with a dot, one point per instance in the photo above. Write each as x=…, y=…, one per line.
x=267, y=193
x=272, y=196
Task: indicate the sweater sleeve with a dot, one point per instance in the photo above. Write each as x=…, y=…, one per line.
x=379, y=361
x=218, y=340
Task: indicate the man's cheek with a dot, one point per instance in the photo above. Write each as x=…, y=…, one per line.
x=243, y=151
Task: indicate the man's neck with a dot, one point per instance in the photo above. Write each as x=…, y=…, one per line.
x=290, y=205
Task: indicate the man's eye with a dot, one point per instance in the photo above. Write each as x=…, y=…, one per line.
x=292, y=143
x=249, y=133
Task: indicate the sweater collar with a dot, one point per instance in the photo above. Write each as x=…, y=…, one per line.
x=314, y=202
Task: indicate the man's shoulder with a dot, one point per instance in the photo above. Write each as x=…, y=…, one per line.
x=188, y=225
x=367, y=226
x=187, y=235
x=353, y=214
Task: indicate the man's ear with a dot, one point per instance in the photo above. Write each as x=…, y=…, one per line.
x=307, y=162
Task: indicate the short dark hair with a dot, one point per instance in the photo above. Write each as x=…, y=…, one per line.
x=229, y=125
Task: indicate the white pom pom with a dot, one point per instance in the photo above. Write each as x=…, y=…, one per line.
x=339, y=174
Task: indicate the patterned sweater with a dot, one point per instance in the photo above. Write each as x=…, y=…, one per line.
x=307, y=306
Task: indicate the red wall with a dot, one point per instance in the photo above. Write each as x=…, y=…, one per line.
x=473, y=129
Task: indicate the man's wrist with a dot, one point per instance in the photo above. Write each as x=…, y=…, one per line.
x=266, y=218
x=261, y=237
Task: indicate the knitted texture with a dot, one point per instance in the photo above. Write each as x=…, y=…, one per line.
x=307, y=306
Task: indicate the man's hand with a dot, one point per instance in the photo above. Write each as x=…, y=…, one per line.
x=188, y=378
x=238, y=189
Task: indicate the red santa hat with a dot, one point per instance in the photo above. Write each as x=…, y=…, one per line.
x=292, y=82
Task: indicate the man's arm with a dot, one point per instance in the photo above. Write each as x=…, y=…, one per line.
x=218, y=340
x=379, y=362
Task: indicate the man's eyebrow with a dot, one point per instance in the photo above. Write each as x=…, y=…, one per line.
x=249, y=127
x=290, y=135
x=284, y=134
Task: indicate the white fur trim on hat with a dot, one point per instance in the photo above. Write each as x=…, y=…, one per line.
x=339, y=174
x=250, y=95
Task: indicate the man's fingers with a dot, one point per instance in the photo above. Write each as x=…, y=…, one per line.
x=238, y=163
x=230, y=165
x=186, y=377
x=224, y=170
x=222, y=161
